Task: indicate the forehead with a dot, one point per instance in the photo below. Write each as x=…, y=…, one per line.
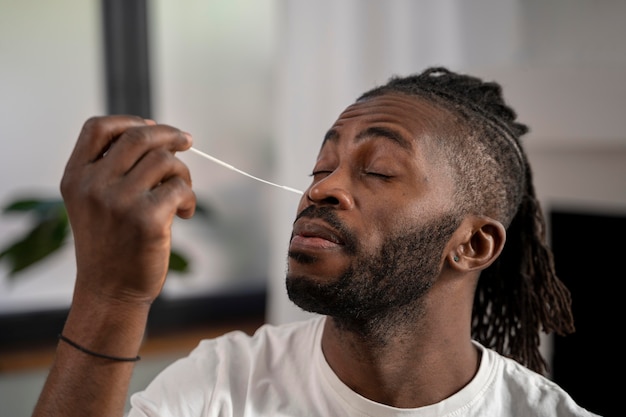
x=400, y=117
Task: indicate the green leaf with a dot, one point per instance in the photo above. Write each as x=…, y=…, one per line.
x=21, y=205
x=41, y=207
x=178, y=262
x=45, y=238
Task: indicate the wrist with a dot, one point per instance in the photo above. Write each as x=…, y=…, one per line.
x=107, y=326
x=83, y=349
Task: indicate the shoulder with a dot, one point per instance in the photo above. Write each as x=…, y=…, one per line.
x=266, y=337
x=271, y=350
x=525, y=389
x=219, y=372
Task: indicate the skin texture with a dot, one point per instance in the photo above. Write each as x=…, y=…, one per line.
x=380, y=189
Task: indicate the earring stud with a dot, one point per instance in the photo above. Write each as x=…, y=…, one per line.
x=456, y=258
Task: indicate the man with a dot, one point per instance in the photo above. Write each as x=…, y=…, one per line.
x=398, y=244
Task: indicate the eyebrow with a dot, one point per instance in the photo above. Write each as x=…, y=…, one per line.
x=375, y=131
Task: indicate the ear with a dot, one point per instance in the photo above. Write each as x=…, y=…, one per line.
x=476, y=244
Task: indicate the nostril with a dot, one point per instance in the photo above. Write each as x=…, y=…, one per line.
x=328, y=193
x=329, y=199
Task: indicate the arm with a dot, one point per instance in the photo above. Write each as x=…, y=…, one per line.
x=122, y=187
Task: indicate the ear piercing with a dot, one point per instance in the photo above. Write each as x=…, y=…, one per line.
x=456, y=258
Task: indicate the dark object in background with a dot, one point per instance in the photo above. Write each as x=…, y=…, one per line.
x=589, y=252
x=125, y=25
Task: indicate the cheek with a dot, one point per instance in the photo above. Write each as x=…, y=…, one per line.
x=382, y=224
x=394, y=213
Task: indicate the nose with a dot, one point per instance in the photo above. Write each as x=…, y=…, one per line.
x=332, y=190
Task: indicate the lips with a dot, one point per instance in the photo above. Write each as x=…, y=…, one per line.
x=313, y=233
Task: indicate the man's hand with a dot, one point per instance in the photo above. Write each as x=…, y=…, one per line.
x=122, y=187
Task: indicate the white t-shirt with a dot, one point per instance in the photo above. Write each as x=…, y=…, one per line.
x=281, y=371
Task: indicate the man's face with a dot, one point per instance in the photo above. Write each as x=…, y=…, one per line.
x=372, y=227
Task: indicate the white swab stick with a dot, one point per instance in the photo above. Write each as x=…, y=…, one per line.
x=232, y=168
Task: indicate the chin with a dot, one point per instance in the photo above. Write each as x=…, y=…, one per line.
x=317, y=270
x=299, y=291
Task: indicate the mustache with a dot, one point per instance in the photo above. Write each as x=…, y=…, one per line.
x=329, y=215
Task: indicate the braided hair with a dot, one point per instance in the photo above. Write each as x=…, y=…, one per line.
x=519, y=294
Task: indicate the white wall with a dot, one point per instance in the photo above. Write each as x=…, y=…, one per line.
x=50, y=81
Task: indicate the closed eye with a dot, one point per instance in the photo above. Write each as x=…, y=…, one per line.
x=314, y=173
x=377, y=174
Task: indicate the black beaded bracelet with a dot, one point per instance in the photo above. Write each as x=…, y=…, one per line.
x=99, y=355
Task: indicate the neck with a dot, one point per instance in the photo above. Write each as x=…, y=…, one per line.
x=379, y=331
x=405, y=361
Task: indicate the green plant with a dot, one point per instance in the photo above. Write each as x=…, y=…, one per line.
x=50, y=232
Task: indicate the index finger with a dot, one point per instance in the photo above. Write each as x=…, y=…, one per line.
x=98, y=134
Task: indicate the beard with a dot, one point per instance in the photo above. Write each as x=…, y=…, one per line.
x=377, y=289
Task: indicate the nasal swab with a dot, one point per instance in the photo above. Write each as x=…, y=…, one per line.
x=232, y=168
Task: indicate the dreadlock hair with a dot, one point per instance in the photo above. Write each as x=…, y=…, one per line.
x=519, y=294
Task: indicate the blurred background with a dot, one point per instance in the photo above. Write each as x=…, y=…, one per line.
x=257, y=83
